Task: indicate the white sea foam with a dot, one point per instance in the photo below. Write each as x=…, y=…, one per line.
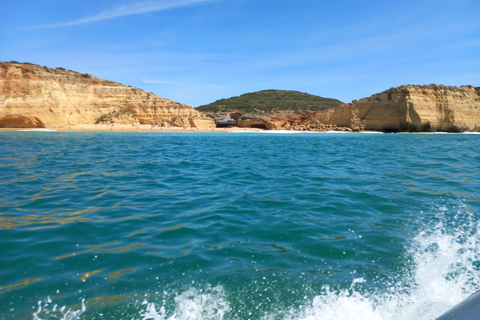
x=192, y=305
x=310, y=132
x=286, y=132
x=443, y=273
x=46, y=311
x=243, y=131
x=272, y=131
x=41, y=130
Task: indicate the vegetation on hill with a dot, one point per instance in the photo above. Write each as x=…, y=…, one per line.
x=272, y=102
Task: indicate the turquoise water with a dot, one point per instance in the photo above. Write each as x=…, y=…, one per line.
x=104, y=225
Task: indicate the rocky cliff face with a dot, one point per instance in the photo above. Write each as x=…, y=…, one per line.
x=403, y=109
x=409, y=109
x=36, y=96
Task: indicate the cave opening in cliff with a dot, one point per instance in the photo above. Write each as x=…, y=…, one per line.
x=21, y=122
x=258, y=126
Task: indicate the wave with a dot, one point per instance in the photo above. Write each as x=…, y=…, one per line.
x=444, y=272
x=286, y=132
x=40, y=130
x=272, y=131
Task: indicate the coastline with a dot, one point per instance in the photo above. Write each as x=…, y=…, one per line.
x=150, y=128
x=130, y=128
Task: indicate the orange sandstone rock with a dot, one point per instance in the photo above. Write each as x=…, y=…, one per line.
x=409, y=109
x=36, y=96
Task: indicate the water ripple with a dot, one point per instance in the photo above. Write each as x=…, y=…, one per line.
x=149, y=211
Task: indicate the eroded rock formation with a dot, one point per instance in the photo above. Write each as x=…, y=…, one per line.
x=402, y=109
x=411, y=109
x=36, y=96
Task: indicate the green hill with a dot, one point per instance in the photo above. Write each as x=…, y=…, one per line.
x=271, y=102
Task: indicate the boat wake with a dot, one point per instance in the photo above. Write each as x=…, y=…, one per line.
x=444, y=263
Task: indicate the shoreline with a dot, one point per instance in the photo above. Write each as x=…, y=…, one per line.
x=130, y=128
x=150, y=128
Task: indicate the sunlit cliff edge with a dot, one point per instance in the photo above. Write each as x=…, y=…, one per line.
x=43, y=97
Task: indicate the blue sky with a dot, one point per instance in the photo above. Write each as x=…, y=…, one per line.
x=199, y=51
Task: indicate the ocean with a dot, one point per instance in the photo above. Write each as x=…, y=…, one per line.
x=267, y=225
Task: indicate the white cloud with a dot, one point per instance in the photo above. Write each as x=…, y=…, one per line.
x=131, y=9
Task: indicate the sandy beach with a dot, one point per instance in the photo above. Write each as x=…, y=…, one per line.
x=130, y=128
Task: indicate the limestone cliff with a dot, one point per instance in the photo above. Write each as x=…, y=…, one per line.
x=407, y=109
x=403, y=109
x=36, y=96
